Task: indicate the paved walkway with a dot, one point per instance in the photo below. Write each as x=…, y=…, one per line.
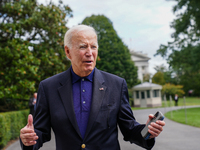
x=175, y=136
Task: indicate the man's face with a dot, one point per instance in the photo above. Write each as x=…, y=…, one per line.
x=35, y=95
x=83, y=53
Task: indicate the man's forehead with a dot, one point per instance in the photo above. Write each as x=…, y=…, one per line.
x=85, y=43
x=85, y=34
x=84, y=37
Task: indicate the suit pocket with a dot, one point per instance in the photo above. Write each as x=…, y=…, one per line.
x=103, y=117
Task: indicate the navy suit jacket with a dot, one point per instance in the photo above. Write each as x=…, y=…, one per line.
x=109, y=109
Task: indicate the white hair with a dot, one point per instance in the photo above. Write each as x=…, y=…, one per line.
x=76, y=29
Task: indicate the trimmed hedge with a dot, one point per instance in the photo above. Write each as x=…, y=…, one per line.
x=11, y=124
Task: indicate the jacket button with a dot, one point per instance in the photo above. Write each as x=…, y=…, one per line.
x=83, y=146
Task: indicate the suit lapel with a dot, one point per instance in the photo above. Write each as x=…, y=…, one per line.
x=66, y=96
x=97, y=98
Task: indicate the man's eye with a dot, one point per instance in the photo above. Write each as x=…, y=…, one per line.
x=83, y=46
x=94, y=47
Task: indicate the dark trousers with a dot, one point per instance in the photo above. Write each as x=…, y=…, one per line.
x=176, y=102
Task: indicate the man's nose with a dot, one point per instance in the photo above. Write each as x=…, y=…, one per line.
x=89, y=51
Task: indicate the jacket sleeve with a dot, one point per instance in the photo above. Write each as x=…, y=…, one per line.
x=131, y=129
x=41, y=121
x=30, y=102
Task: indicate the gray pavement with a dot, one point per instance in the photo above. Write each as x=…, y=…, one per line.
x=175, y=136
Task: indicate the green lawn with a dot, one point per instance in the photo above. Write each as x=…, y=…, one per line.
x=189, y=101
x=193, y=114
x=192, y=118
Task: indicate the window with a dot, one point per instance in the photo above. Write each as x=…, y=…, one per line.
x=142, y=95
x=155, y=93
x=148, y=93
x=143, y=67
x=137, y=94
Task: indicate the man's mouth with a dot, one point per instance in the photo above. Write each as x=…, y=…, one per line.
x=88, y=61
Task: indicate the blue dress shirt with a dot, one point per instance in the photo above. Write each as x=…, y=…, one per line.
x=82, y=99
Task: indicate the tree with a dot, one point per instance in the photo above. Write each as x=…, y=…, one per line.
x=160, y=68
x=158, y=78
x=170, y=76
x=146, y=77
x=183, y=52
x=113, y=55
x=31, y=45
x=171, y=89
x=186, y=26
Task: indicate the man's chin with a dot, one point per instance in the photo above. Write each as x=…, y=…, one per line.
x=88, y=70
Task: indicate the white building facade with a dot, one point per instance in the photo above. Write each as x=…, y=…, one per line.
x=147, y=95
x=141, y=62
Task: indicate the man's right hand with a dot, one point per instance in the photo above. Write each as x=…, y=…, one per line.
x=27, y=134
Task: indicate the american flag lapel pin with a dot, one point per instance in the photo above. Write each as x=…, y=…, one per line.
x=101, y=89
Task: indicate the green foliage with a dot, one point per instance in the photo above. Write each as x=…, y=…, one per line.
x=10, y=125
x=171, y=89
x=187, y=63
x=170, y=77
x=160, y=68
x=169, y=74
x=31, y=45
x=11, y=104
x=191, y=81
x=186, y=26
x=18, y=70
x=183, y=52
x=146, y=77
x=187, y=59
x=113, y=55
x=158, y=78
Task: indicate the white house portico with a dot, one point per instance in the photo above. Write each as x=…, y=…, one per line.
x=141, y=62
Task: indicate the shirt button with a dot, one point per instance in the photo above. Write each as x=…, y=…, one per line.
x=83, y=90
x=82, y=79
x=83, y=102
x=83, y=146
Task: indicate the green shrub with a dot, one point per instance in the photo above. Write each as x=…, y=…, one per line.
x=12, y=104
x=10, y=125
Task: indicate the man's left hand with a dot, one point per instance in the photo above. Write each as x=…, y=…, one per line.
x=155, y=128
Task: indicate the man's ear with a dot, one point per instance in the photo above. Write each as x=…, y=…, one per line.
x=67, y=52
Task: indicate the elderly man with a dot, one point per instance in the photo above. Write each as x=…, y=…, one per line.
x=84, y=105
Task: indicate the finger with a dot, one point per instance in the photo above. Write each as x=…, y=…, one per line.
x=30, y=143
x=152, y=137
x=162, y=123
x=155, y=129
x=30, y=121
x=28, y=136
x=153, y=133
x=151, y=116
x=26, y=130
x=157, y=126
x=28, y=139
